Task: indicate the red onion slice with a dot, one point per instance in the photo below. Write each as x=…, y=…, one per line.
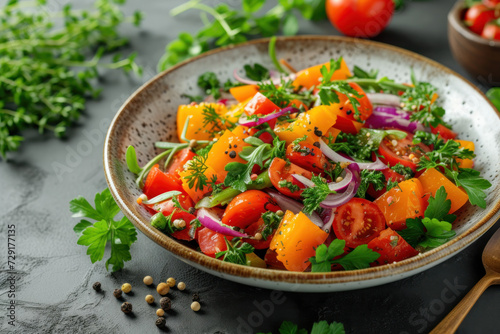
x=328, y=220
x=245, y=122
x=335, y=157
x=286, y=203
x=335, y=200
x=209, y=219
x=380, y=119
x=387, y=99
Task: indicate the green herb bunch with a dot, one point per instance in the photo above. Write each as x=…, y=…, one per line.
x=224, y=25
x=48, y=63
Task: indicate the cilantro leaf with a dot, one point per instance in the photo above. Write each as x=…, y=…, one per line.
x=313, y=196
x=359, y=258
x=120, y=234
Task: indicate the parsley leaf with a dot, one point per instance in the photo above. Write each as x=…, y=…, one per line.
x=271, y=223
x=313, y=196
x=359, y=258
x=403, y=170
x=473, y=184
x=238, y=175
x=373, y=177
x=433, y=230
x=236, y=253
x=257, y=72
x=120, y=234
x=210, y=84
x=323, y=327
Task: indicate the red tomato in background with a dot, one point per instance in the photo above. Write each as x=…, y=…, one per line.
x=360, y=18
x=357, y=222
x=247, y=208
x=492, y=30
x=491, y=3
x=477, y=16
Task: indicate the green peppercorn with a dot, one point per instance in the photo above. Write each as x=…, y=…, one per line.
x=117, y=293
x=127, y=308
x=96, y=286
x=165, y=303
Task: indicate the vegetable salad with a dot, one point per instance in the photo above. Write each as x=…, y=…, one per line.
x=326, y=168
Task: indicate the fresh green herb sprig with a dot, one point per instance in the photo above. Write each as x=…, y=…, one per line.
x=213, y=122
x=284, y=93
x=359, y=258
x=313, y=196
x=119, y=235
x=40, y=51
x=321, y=327
x=236, y=252
x=370, y=177
x=435, y=228
x=236, y=25
x=494, y=95
x=271, y=222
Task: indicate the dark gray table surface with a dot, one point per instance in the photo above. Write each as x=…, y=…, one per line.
x=54, y=275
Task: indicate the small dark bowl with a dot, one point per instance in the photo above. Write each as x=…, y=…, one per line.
x=479, y=56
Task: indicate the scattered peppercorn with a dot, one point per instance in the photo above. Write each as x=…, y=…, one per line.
x=163, y=288
x=317, y=132
x=96, y=286
x=196, y=297
x=317, y=144
x=148, y=280
x=235, y=146
x=127, y=308
x=160, y=322
x=160, y=312
x=195, y=306
x=181, y=286
x=226, y=152
x=348, y=112
x=171, y=282
x=165, y=303
x=126, y=287
x=232, y=154
x=150, y=299
x=117, y=293
x=192, y=210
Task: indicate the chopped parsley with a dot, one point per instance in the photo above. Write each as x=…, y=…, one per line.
x=313, y=196
x=373, y=177
x=271, y=223
x=287, y=184
x=257, y=72
x=236, y=253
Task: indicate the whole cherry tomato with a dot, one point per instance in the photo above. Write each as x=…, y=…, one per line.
x=360, y=18
x=492, y=30
x=477, y=16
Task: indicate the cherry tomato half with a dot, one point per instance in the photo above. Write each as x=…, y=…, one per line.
x=158, y=183
x=280, y=173
x=402, y=150
x=360, y=18
x=477, y=16
x=391, y=247
x=492, y=30
x=211, y=242
x=255, y=228
x=247, y=208
x=444, y=132
x=357, y=222
x=307, y=156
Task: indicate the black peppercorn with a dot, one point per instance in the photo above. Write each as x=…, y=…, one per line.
x=165, y=303
x=191, y=210
x=235, y=146
x=117, y=293
x=232, y=154
x=317, y=132
x=96, y=286
x=160, y=322
x=127, y=308
x=348, y=112
x=196, y=297
x=317, y=144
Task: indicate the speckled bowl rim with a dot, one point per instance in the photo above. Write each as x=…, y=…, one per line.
x=339, y=277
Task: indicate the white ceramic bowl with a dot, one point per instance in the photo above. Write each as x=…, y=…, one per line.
x=149, y=116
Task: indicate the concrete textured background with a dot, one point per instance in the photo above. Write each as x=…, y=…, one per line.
x=54, y=275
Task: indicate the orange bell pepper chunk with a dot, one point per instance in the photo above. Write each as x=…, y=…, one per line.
x=195, y=193
x=295, y=241
x=311, y=76
x=402, y=202
x=221, y=153
x=313, y=123
x=241, y=131
x=466, y=163
x=196, y=129
x=243, y=93
x=432, y=180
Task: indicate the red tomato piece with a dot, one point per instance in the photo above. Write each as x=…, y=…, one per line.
x=391, y=247
x=158, y=183
x=261, y=105
x=272, y=261
x=264, y=136
x=211, y=242
x=357, y=222
x=492, y=30
x=491, y=3
x=280, y=173
x=444, y=132
x=308, y=157
x=389, y=175
x=360, y=18
x=247, y=208
x=179, y=161
x=402, y=150
x=477, y=16
x=258, y=227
